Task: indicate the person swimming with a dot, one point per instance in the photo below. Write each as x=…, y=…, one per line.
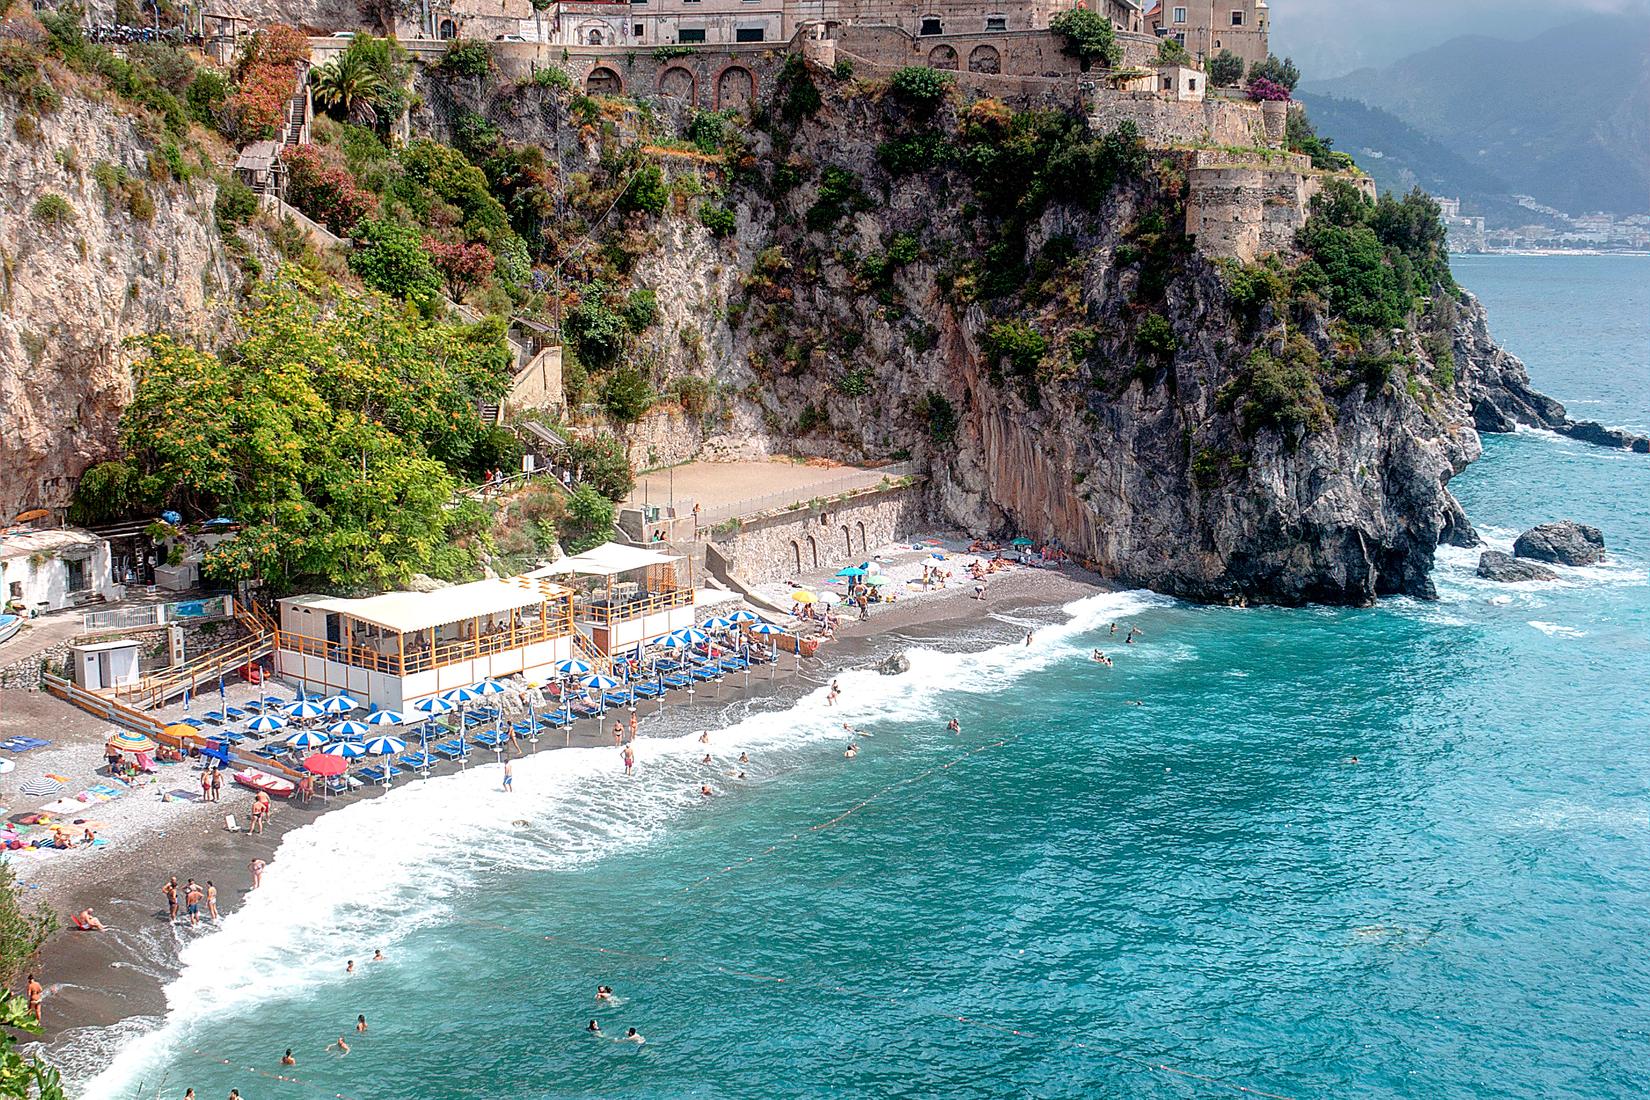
x=593, y=1028
x=287, y=1059
x=1101, y=658
x=604, y=993
x=340, y=1046
x=634, y=1036
x=953, y=726
x=744, y=758
x=851, y=752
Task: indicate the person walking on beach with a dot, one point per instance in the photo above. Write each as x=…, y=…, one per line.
x=618, y=734
x=260, y=812
x=1028, y=639
x=629, y=760
x=211, y=901
x=171, y=892
x=257, y=869
x=192, y=902
x=509, y=777
x=633, y=725
x=206, y=785
x=217, y=785
x=831, y=696
x=35, y=991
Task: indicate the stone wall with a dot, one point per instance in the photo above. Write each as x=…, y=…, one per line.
x=789, y=544
x=1243, y=207
x=1163, y=121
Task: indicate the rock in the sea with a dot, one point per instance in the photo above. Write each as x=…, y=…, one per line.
x=1495, y=565
x=1591, y=431
x=1565, y=542
x=895, y=664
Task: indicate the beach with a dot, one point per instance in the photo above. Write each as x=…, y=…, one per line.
x=96, y=980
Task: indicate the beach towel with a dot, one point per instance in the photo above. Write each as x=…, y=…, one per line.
x=181, y=795
x=23, y=744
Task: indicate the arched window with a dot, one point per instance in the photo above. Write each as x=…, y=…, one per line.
x=931, y=25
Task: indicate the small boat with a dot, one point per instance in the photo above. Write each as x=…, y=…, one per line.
x=9, y=625
x=272, y=785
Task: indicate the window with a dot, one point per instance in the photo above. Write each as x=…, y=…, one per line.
x=691, y=34
x=16, y=590
x=74, y=575
x=931, y=25
x=1237, y=18
x=996, y=23
x=637, y=30
x=1180, y=15
x=1191, y=85
x=747, y=34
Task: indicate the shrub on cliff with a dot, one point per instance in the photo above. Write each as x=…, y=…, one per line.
x=1089, y=37
x=1264, y=90
x=435, y=171
x=326, y=193
x=1017, y=344
x=235, y=204
x=839, y=194
x=625, y=395
x=467, y=57
x=646, y=192
x=920, y=88
x=52, y=210
x=589, y=520
x=595, y=328
x=266, y=76
x=1283, y=73
x=601, y=462
x=1279, y=391
x=390, y=257
x=108, y=492
x=462, y=266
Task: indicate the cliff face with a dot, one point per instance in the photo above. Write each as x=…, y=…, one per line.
x=75, y=285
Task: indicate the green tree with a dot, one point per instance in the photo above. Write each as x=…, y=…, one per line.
x=1225, y=69
x=589, y=520
x=595, y=328
x=1171, y=52
x=1089, y=37
x=626, y=395
x=647, y=191
x=23, y=931
x=1281, y=72
x=920, y=88
x=467, y=57
x=390, y=256
x=601, y=462
x=349, y=85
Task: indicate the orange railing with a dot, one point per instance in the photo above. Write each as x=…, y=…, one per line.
x=422, y=660
x=154, y=691
x=650, y=604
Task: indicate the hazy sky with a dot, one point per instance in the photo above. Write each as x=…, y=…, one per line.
x=1330, y=37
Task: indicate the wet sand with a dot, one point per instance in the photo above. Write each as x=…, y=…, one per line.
x=95, y=980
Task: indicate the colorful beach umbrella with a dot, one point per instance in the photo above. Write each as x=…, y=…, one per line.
x=385, y=746
x=307, y=739
x=348, y=750
x=322, y=764
x=44, y=786
x=802, y=595
x=432, y=706
x=686, y=636
x=1021, y=541
x=306, y=708
x=717, y=623
x=744, y=615
x=489, y=687
x=266, y=723
x=349, y=729
x=573, y=667
x=338, y=704
x=599, y=681
x=878, y=581
x=461, y=695
x=851, y=571
x=386, y=718
x=127, y=741
x=767, y=629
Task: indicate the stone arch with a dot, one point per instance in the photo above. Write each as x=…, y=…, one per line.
x=847, y=541
x=603, y=81
x=985, y=59
x=679, y=83
x=593, y=33
x=813, y=550
x=735, y=88
x=942, y=57
x=862, y=536
x=447, y=31
x=796, y=553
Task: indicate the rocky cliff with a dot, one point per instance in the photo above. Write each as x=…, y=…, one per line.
x=95, y=249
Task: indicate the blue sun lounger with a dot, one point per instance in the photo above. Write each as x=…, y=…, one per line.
x=647, y=689
x=488, y=740
x=418, y=761
x=215, y=717
x=234, y=714
x=734, y=664
x=554, y=719
x=375, y=774
x=619, y=698
x=702, y=674
x=453, y=750
x=665, y=664
x=674, y=680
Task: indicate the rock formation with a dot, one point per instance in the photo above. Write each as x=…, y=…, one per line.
x=1496, y=565
x=1563, y=543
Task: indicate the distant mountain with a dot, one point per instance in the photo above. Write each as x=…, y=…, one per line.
x=1564, y=116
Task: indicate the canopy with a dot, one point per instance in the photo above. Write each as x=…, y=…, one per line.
x=606, y=560
x=350, y=728
x=433, y=705
x=406, y=612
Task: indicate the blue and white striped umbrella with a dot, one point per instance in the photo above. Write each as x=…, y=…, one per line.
x=599, y=682
x=433, y=705
x=744, y=615
x=766, y=629
x=573, y=667
x=489, y=687
x=338, y=704
x=307, y=739
x=461, y=695
x=349, y=729
x=686, y=636
x=266, y=723
x=306, y=709
x=717, y=624
x=385, y=746
x=386, y=718
x=349, y=750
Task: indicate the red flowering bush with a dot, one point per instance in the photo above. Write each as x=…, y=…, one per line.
x=325, y=192
x=266, y=77
x=1261, y=89
x=462, y=265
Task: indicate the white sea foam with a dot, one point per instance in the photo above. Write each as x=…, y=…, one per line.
x=368, y=874
x=1557, y=630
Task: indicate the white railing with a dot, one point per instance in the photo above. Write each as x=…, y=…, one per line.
x=125, y=618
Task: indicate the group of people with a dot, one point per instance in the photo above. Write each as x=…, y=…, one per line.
x=604, y=995
x=192, y=896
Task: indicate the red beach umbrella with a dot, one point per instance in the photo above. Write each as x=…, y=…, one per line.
x=322, y=764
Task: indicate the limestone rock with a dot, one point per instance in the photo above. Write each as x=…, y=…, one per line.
x=894, y=665
x=1565, y=543
x=1496, y=565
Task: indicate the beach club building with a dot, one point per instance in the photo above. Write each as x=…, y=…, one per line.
x=624, y=596
x=395, y=649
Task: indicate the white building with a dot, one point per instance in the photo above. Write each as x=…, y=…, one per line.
x=400, y=647
x=653, y=23
x=47, y=570
x=625, y=595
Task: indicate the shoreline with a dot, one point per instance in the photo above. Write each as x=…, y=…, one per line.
x=97, y=981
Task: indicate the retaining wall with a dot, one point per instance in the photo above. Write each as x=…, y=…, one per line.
x=788, y=544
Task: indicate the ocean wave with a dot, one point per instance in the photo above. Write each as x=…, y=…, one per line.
x=1557, y=630
x=371, y=873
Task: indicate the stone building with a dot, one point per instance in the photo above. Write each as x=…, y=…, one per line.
x=653, y=23
x=1206, y=27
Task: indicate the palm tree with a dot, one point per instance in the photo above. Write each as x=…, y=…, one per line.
x=348, y=83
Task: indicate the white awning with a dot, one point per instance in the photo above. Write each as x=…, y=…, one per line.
x=606, y=560
x=405, y=612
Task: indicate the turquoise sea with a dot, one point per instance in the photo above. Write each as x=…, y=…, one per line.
x=1076, y=897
